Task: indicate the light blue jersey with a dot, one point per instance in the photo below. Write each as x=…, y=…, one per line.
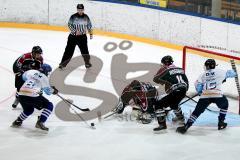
x=35, y=82
x=209, y=84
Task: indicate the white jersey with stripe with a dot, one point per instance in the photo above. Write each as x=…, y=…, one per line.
x=35, y=83
x=211, y=81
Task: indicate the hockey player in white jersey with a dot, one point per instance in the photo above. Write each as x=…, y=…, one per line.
x=30, y=96
x=208, y=85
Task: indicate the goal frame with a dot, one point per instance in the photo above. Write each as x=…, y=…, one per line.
x=184, y=56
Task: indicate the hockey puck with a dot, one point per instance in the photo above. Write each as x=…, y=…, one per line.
x=92, y=124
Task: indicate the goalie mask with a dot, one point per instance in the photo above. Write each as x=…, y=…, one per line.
x=136, y=85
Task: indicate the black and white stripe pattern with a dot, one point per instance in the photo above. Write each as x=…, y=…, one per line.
x=23, y=116
x=46, y=113
x=80, y=23
x=237, y=82
x=192, y=119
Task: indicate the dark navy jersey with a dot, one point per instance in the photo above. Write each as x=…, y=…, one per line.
x=172, y=77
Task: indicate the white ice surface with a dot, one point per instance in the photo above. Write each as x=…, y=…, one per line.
x=113, y=139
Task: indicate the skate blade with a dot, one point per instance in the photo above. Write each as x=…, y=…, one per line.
x=93, y=127
x=13, y=126
x=41, y=131
x=163, y=131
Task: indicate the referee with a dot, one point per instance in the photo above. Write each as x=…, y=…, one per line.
x=79, y=24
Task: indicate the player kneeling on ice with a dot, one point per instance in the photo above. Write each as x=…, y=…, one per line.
x=208, y=85
x=145, y=96
x=30, y=96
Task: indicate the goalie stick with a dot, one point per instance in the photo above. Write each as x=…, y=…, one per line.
x=68, y=102
x=237, y=82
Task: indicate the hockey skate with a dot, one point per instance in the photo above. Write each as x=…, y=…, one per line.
x=41, y=125
x=15, y=103
x=61, y=67
x=182, y=129
x=161, y=118
x=178, y=120
x=17, y=123
x=14, y=106
x=88, y=65
x=160, y=127
x=222, y=125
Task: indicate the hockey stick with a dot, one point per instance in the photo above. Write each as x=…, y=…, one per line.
x=92, y=126
x=236, y=81
x=66, y=101
x=189, y=98
x=69, y=103
x=109, y=115
x=134, y=108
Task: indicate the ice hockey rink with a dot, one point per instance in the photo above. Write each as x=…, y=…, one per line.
x=113, y=138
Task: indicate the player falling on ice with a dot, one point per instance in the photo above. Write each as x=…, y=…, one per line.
x=144, y=95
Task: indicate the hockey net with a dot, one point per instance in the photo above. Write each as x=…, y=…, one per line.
x=193, y=64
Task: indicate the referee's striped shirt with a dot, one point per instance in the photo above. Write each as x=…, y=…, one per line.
x=80, y=23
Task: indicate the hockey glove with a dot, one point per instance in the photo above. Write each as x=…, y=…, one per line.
x=230, y=74
x=55, y=91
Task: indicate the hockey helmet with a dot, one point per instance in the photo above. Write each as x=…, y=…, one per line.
x=210, y=64
x=37, y=50
x=29, y=64
x=167, y=60
x=45, y=69
x=136, y=85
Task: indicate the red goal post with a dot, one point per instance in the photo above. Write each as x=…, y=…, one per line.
x=193, y=64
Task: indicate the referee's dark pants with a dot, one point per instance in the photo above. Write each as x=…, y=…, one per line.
x=81, y=42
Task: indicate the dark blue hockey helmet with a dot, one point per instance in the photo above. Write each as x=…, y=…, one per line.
x=45, y=69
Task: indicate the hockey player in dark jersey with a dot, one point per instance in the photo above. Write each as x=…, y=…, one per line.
x=144, y=96
x=176, y=86
x=28, y=60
